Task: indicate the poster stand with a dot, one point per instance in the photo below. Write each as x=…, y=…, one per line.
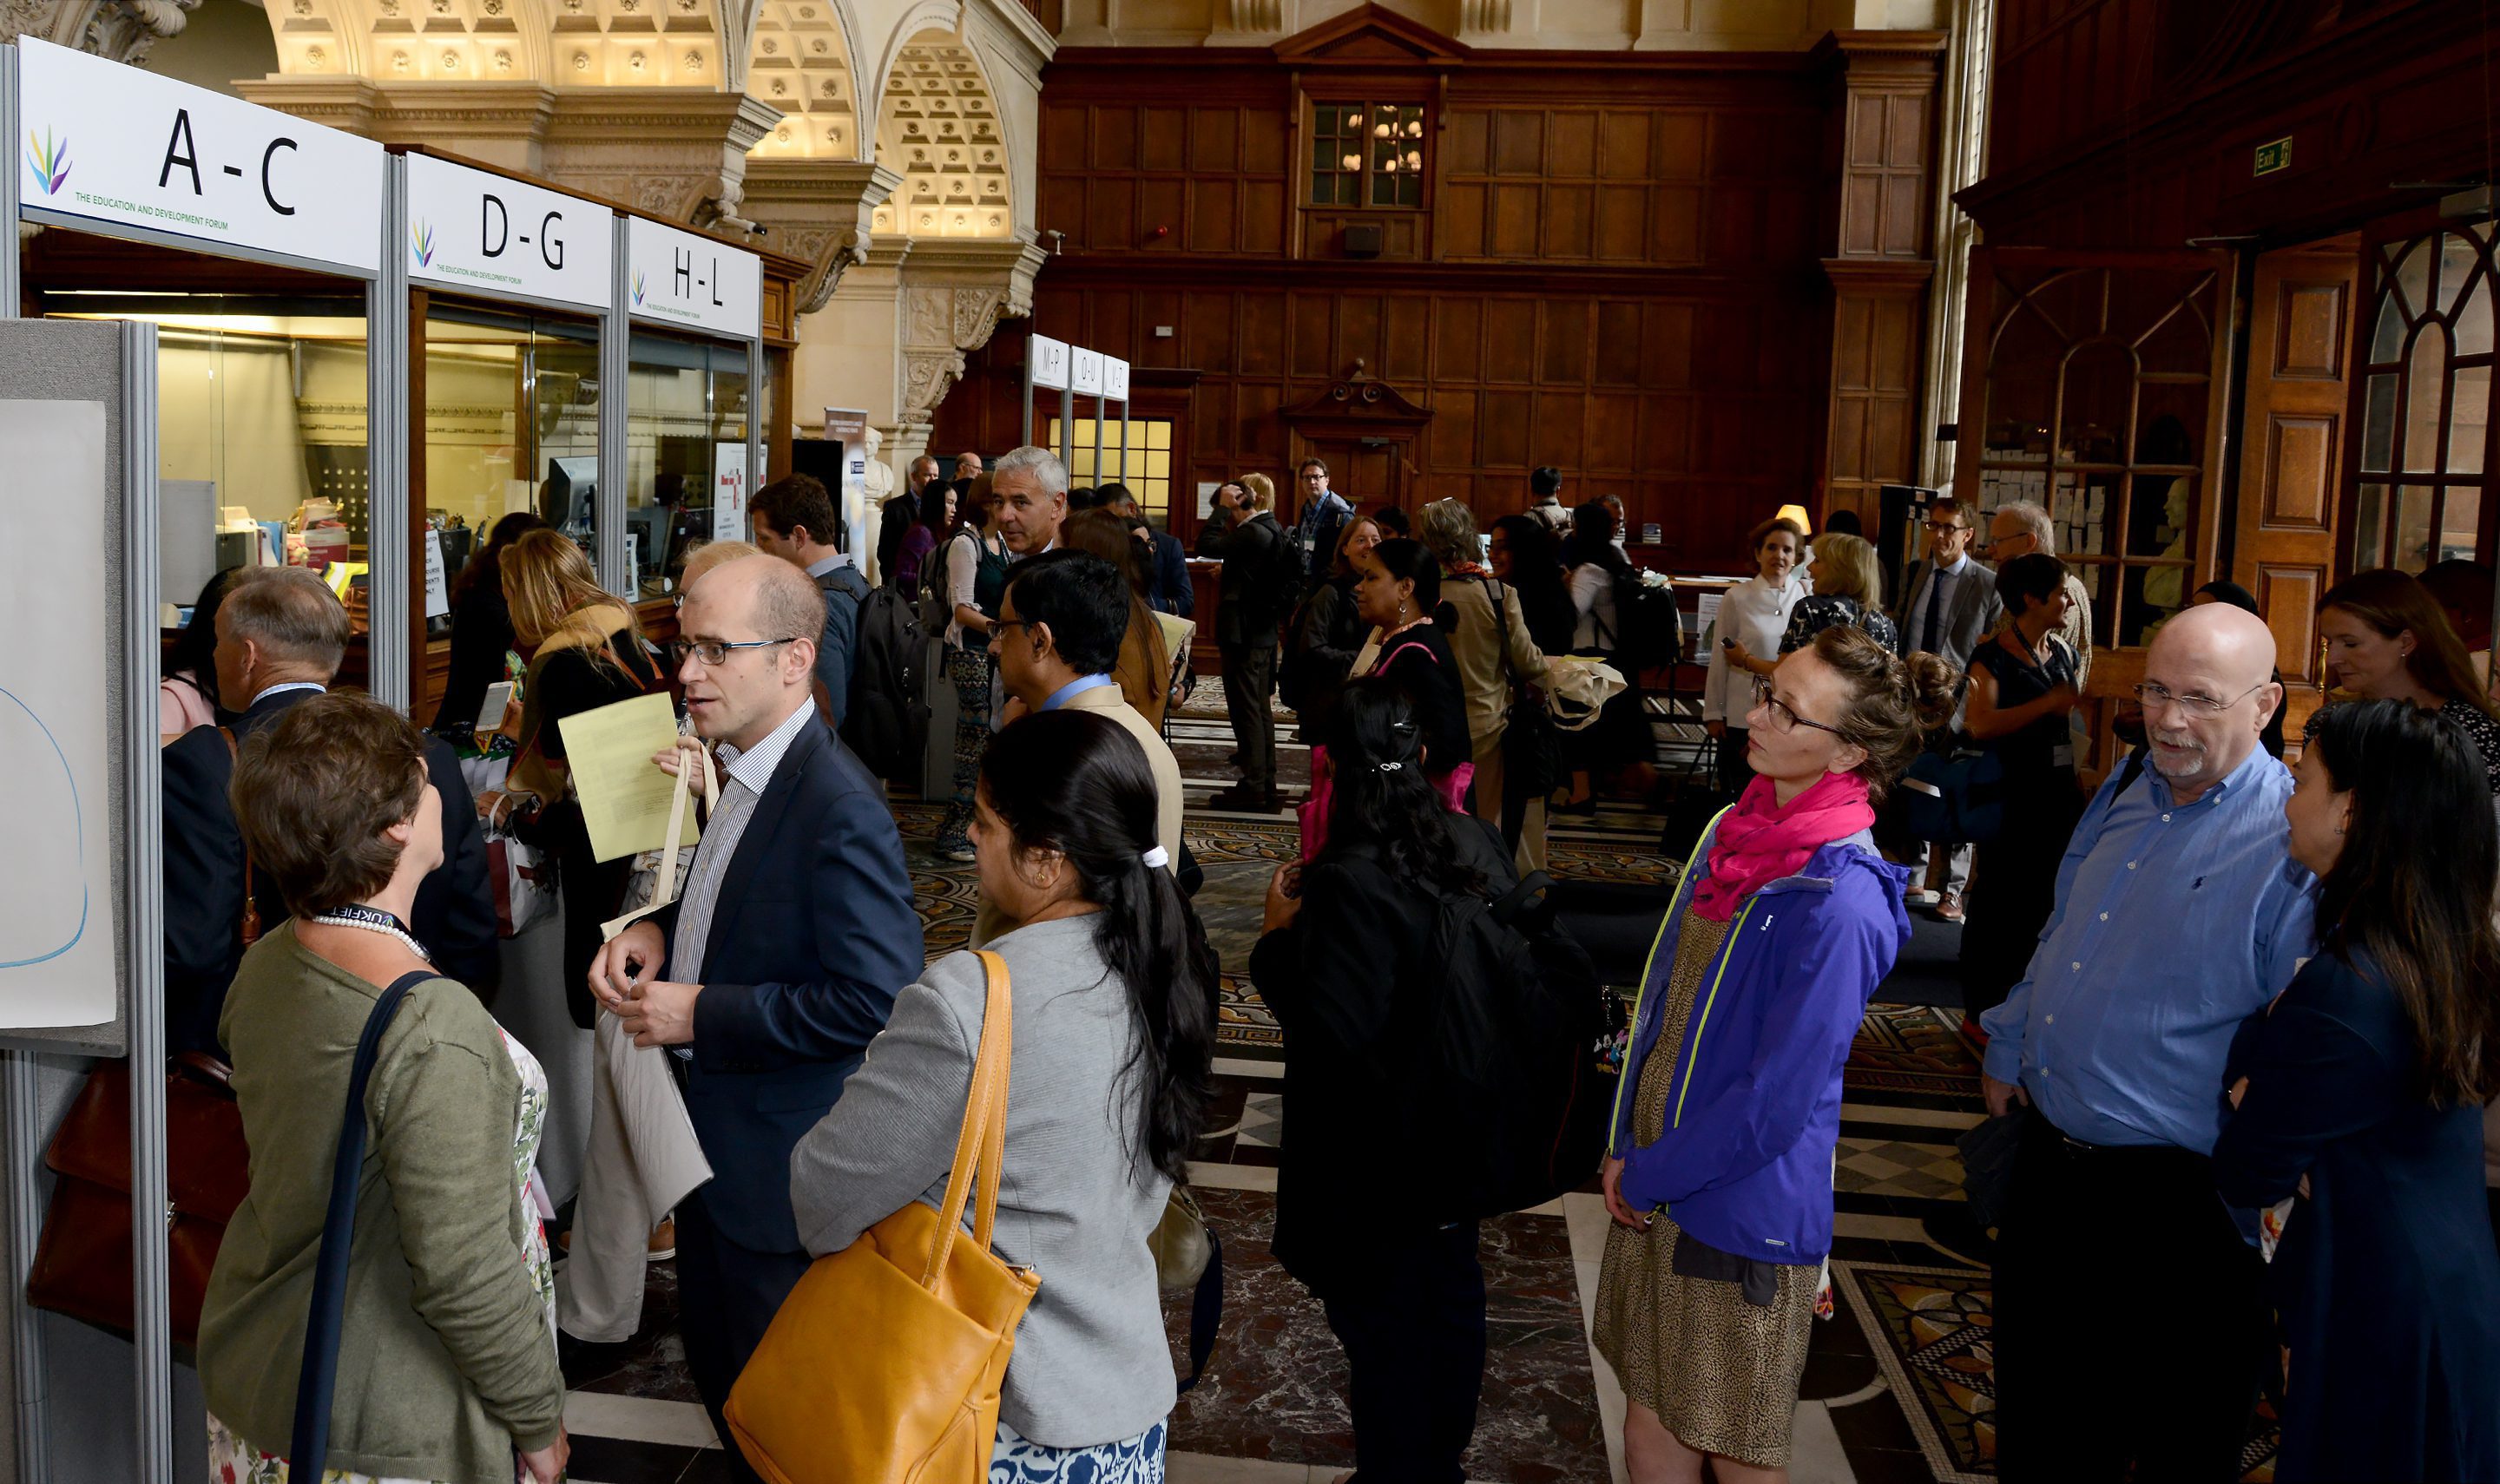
x=1071, y=370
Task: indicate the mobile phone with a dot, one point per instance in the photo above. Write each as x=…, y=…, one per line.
x=499, y=698
x=1728, y=643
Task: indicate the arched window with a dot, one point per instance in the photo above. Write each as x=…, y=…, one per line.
x=2425, y=402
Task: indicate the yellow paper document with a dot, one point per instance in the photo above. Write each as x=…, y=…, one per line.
x=624, y=795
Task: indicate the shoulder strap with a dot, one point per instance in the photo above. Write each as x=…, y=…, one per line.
x=1382, y=663
x=985, y=1126
x=250, y=906
x=320, y=1374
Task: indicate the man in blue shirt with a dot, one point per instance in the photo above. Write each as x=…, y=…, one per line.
x=2179, y=916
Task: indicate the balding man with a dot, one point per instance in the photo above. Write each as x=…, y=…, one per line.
x=2018, y=529
x=783, y=955
x=280, y=634
x=2179, y=916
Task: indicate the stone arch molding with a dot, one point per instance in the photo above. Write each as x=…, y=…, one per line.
x=939, y=128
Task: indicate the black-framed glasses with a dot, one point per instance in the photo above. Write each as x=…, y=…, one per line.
x=2150, y=693
x=1942, y=527
x=716, y=651
x=1784, y=717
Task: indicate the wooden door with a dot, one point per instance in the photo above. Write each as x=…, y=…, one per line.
x=2300, y=318
x=1366, y=471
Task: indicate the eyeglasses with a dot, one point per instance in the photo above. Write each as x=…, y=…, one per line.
x=1942, y=527
x=1784, y=717
x=2151, y=695
x=716, y=651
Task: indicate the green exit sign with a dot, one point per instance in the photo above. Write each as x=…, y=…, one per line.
x=2273, y=155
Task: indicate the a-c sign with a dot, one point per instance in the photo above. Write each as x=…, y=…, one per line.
x=479, y=231
x=118, y=147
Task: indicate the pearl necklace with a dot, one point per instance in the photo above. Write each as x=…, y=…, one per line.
x=372, y=920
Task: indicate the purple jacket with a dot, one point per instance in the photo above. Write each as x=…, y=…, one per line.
x=1754, y=1113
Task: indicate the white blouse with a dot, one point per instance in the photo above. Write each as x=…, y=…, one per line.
x=1755, y=614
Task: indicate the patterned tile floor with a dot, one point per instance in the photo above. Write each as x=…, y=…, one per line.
x=1898, y=1384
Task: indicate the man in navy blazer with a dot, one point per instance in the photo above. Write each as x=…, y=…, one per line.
x=280, y=634
x=783, y=953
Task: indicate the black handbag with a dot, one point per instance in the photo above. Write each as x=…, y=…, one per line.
x=318, y=1379
x=1531, y=745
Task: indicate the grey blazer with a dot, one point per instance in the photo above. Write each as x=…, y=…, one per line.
x=1077, y=1200
x=1971, y=610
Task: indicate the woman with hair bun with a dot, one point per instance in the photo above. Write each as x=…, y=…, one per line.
x=1112, y=989
x=1729, y=1113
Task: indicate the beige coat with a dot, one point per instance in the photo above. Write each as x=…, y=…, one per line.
x=1475, y=641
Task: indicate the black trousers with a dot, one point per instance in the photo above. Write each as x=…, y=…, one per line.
x=1249, y=675
x=2014, y=889
x=1734, y=772
x=1413, y=1327
x=727, y=1295
x=2131, y=1318
x=591, y=890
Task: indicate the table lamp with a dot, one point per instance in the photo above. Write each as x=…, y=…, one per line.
x=1796, y=513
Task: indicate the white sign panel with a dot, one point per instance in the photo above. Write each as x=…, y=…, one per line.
x=728, y=492
x=474, y=229
x=1050, y=362
x=686, y=278
x=1115, y=378
x=129, y=149
x=438, y=589
x=57, y=878
x=1085, y=371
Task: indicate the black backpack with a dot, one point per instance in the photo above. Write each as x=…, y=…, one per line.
x=1647, y=630
x=887, y=719
x=1516, y=1084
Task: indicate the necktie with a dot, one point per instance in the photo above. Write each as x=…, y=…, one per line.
x=1935, y=609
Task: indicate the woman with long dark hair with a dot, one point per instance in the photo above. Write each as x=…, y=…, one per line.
x=1326, y=632
x=186, y=684
x=481, y=631
x=1526, y=554
x=1350, y=962
x=1619, y=740
x=1113, y=991
x=2387, y=639
x=1399, y=594
x=1144, y=668
x=2359, y=1121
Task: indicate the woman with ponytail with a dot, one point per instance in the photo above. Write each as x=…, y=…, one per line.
x=1351, y=962
x=1728, y=1112
x=1113, y=989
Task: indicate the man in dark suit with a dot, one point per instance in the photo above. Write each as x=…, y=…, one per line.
x=896, y=515
x=784, y=952
x=280, y=635
x=1170, y=570
x=1948, y=605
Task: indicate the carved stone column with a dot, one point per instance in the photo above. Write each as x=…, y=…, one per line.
x=818, y=210
x=117, y=30
x=954, y=294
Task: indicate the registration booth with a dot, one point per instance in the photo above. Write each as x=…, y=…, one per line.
x=355, y=359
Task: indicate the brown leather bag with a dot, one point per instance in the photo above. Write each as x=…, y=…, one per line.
x=82, y=1263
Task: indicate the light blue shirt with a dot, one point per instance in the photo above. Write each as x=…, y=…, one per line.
x=1077, y=687
x=2174, y=924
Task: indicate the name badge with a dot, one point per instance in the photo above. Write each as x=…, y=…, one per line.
x=2062, y=755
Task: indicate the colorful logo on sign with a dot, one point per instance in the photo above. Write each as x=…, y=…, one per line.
x=50, y=158
x=421, y=243
x=638, y=289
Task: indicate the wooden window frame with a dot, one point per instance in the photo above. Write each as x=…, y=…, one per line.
x=1417, y=157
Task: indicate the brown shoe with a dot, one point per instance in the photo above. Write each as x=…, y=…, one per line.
x=663, y=1241
x=1950, y=909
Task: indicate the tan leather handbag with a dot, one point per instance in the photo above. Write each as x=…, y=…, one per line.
x=883, y=1366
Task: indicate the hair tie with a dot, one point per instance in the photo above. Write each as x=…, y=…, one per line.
x=1156, y=858
x=1387, y=767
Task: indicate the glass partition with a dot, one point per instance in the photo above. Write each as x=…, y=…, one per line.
x=686, y=425
x=261, y=431
x=511, y=424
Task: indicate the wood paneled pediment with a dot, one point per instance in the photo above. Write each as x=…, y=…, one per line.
x=1355, y=405
x=1370, y=36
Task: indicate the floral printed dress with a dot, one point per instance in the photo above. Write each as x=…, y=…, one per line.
x=1019, y=1460
x=233, y=1461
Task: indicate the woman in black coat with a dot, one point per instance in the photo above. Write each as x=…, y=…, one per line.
x=1398, y=596
x=482, y=631
x=1350, y=965
x=2359, y=1122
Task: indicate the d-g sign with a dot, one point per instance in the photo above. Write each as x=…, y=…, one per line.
x=109, y=147
x=491, y=233
x=678, y=278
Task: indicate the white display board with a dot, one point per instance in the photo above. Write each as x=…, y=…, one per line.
x=1115, y=378
x=728, y=492
x=129, y=149
x=679, y=277
x=472, y=229
x=438, y=586
x=1085, y=371
x=1050, y=361
x=56, y=878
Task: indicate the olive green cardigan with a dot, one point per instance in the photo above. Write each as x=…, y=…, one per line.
x=447, y=1362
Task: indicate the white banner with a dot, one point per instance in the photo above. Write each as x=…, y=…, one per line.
x=687, y=278
x=474, y=229
x=438, y=586
x=1050, y=361
x=1115, y=378
x=1085, y=371
x=130, y=149
x=728, y=492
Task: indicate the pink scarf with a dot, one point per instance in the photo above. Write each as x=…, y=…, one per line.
x=1760, y=842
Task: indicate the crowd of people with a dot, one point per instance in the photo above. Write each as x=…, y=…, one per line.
x=2246, y=1015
